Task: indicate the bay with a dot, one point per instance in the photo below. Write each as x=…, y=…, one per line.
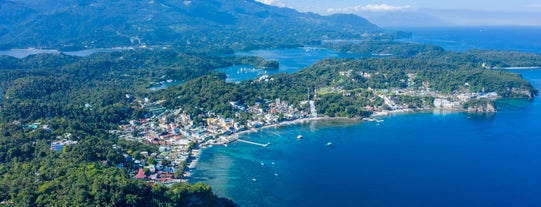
x=291, y=60
x=422, y=159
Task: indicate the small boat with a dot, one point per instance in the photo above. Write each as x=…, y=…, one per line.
x=262, y=163
x=253, y=179
x=299, y=136
x=329, y=144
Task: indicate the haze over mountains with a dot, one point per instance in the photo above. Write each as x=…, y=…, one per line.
x=423, y=13
x=236, y=24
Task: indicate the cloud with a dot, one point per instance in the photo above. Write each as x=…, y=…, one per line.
x=371, y=8
x=272, y=2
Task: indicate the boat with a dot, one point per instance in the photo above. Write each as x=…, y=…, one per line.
x=299, y=136
x=329, y=144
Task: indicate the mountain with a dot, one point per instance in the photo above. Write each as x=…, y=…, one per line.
x=235, y=24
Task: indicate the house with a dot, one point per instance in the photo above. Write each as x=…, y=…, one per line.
x=59, y=145
x=141, y=174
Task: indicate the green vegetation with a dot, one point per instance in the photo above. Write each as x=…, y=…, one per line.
x=340, y=85
x=503, y=59
x=48, y=182
x=383, y=48
x=48, y=97
x=81, y=99
x=210, y=26
x=477, y=58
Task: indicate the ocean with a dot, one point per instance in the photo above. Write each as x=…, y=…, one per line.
x=525, y=39
x=418, y=159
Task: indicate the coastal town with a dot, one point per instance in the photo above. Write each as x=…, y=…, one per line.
x=180, y=139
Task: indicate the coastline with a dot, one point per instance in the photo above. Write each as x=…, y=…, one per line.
x=226, y=139
x=235, y=136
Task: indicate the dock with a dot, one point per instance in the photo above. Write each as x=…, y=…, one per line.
x=254, y=143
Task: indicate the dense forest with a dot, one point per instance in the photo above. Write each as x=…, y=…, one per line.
x=479, y=58
x=383, y=48
x=209, y=26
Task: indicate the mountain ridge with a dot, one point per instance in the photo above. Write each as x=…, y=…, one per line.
x=239, y=24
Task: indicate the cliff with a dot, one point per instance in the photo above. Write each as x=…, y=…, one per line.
x=480, y=106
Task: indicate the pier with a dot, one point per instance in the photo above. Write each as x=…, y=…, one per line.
x=254, y=143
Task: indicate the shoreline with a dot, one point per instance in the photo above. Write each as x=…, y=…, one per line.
x=233, y=137
x=226, y=139
x=372, y=118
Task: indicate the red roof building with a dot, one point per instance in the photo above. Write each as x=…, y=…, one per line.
x=141, y=174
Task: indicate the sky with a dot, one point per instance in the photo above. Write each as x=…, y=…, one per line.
x=427, y=12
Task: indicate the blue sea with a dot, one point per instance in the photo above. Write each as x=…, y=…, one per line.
x=525, y=39
x=420, y=159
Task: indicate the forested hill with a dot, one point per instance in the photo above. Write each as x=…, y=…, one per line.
x=240, y=24
x=81, y=99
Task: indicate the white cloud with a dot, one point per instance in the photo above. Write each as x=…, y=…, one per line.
x=272, y=2
x=371, y=8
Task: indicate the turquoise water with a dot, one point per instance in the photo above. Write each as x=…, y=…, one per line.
x=424, y=159
x=421, y=159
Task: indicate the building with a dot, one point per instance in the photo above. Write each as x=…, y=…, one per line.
x=59, y=145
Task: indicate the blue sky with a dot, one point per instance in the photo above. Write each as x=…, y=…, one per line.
x=427, y=12
x=323, y=5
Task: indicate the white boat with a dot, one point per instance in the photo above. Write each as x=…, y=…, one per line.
x=329, y=144
x=299, y=136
